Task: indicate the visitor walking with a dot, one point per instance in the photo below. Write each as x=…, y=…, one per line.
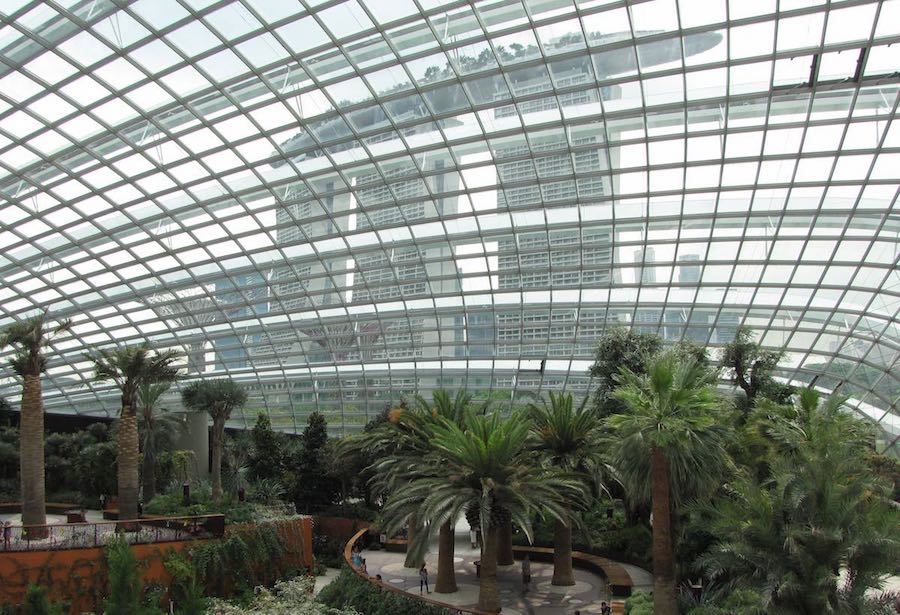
x=526, y=574
x=423, y=579
x=605, y=609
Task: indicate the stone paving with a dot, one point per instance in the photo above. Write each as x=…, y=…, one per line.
x=541, y=599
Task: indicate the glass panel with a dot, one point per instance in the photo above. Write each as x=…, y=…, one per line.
x=340, y=203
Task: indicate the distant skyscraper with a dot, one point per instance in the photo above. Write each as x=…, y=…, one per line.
x=240, y=297
x=558, y=259
x=643, y=262
x=689, y=269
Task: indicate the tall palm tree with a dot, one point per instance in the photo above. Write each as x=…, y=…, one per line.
x=219, y=398
x=452, y=409
x=131, y=367
x=157, y=430
x=483, y=465
x=397, y=445
x=570, y=439
x=666, y=444
x=401, y=444
x=29, y=338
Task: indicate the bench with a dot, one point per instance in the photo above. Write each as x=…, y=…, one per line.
x=619, y=580
x=620, y=583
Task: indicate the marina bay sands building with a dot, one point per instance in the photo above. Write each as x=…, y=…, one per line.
x=340, y=204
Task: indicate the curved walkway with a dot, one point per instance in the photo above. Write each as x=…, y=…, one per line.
x=542, y=598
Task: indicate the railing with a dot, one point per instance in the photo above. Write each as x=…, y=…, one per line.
x=348, y=558
x=146, y=530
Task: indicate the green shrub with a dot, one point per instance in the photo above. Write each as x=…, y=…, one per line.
x=95, y=469
x=168, y=504
x=596, y=521
x=266, y=491
x=629, y=543
x=124, y=581
x=328, y=551
x=587, y=535
x=65, y=497
x=248, y=558
x=125, y=586
x=185, y=590
x=350, y=591
x=36, y=602
x=356, y=510
x=10, y=489
x=640, y=603
x=738, y=602
x=292, y=597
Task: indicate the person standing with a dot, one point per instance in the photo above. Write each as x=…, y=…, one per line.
x=605, y=609
x=7, y=535
x=526, y=573
x=423, y=579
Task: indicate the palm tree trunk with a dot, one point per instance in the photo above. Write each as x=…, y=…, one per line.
x=31, y=457
x=411, y=561
x=488, y=596
x=446, y=575
x=562, y=555
x=148, y=472
x=217, y=433
x=128, y=464
x=664, y=602
x=504, y=544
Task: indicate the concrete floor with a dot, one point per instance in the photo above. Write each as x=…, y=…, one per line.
x=322, y=580
x=541, y=599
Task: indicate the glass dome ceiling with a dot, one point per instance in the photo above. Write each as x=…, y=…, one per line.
x=340, y=202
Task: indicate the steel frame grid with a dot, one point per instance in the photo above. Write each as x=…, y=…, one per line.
x=129, y=262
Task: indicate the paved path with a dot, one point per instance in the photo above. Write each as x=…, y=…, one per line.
x=542, y=598
x=325, y=578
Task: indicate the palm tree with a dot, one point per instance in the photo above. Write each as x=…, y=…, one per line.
x=570, y=440
x=157, y=429
x=397, y=446
x=485, y=466
x=28, y=338
x=452, y=409
x=402, y=443
x=131, y=367
x=219, y=398
x=820, y=513
x=667, y=444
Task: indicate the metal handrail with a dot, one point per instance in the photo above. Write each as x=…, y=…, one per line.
x=89, y=534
